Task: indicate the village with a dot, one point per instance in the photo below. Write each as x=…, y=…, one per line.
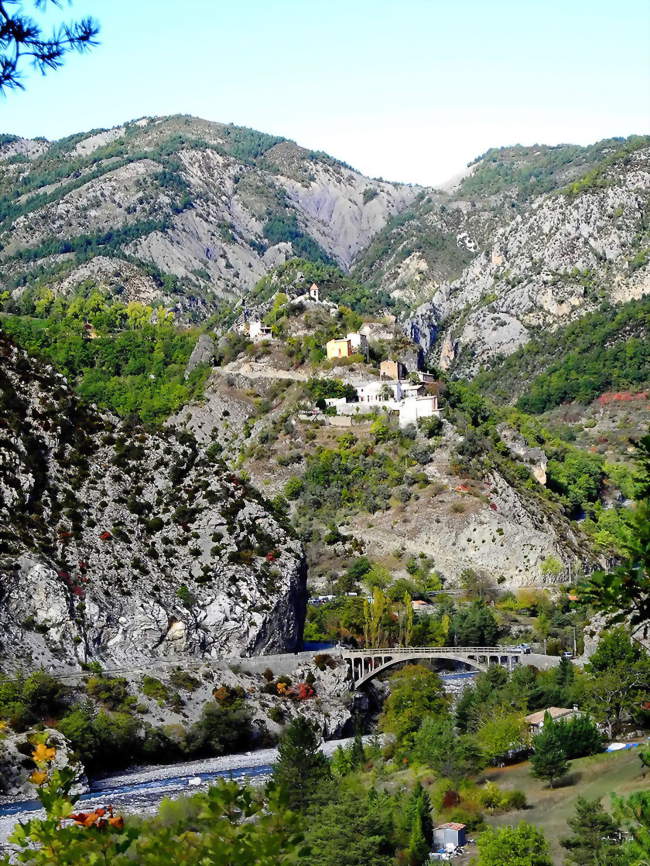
x=402, y=386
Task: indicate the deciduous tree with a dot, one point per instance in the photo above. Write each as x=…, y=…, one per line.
x=524, y=845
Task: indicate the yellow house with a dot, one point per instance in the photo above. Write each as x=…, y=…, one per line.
x=338, y=349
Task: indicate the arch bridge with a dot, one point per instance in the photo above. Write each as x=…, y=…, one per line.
x=365, y=664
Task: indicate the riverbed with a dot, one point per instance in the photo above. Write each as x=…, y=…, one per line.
x=141, y=789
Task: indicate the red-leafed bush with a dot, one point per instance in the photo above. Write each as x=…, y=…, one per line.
x=302, y=692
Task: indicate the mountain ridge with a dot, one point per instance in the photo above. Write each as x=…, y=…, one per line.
x=191, y=215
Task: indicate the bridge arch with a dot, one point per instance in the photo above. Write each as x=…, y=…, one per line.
x=385, y=665
x=364, y=665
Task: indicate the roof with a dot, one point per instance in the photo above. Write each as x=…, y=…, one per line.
x=450, y=825
x=554, y=712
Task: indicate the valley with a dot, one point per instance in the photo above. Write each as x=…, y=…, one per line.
x=251, y=402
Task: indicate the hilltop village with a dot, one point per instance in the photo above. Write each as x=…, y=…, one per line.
x=394, y=383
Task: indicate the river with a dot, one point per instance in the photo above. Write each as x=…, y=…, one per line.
x=140, y=790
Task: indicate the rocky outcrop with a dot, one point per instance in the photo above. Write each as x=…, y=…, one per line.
x=16, y=766
x=534, y=458
x=549, y=265
x=202, y=353
x=120, y=545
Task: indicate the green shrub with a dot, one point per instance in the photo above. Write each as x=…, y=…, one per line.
x=113, y=693
x=154, y=688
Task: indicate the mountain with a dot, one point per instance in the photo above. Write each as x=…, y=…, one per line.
x=119, y=543
x=178, y=210
x=432, y=241
x=568, y=251
x=192, y=214
x=607, y=350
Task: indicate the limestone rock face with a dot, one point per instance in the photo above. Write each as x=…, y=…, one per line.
x=16, y=766
x=534, y=458
x=121, y=545
x=545, y=267
x=202, y=353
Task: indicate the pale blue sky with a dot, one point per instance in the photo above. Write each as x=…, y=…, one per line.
x=407, y=89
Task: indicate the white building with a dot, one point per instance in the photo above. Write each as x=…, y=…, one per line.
x=400, y=397
x=414, y=408
x=259, y=331
x=358, y=341
x=378, y=330
x=379, y=392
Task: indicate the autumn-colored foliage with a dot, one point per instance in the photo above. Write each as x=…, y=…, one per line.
x=303, y=691
x=43, y=754
x=99, y=818
x=450, y=798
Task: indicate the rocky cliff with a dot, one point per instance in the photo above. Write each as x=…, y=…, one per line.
x=566, y=253
x=120, y=543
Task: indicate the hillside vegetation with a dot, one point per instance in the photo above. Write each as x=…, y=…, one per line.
x=526, y=172
x=607, y=350
x=120, y=356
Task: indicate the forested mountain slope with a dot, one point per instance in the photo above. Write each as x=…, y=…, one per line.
x=119, y=543
x=607, y=350
x=178, y=209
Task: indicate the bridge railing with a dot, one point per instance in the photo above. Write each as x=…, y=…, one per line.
x=433, y=650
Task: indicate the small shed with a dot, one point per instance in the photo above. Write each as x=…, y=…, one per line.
x=449, y=834
x=338, y=349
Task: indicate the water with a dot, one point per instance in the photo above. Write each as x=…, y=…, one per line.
x=133, y=796
x=142, y=789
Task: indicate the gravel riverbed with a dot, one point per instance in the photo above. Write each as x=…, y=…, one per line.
x=141, y=789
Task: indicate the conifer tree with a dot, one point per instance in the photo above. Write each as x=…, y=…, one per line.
x=420, y=826
x=22, y=41
x=357, y=753
x=596, y=836
x=301, y=768
x=549, y=758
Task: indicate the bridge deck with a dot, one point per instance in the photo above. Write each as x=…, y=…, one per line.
x=434, y=650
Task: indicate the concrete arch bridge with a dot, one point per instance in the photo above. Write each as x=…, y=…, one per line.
x=365, y=664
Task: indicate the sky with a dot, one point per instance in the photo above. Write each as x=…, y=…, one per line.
x=408, y=90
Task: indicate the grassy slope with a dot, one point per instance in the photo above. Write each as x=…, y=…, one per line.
x=596, y=776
